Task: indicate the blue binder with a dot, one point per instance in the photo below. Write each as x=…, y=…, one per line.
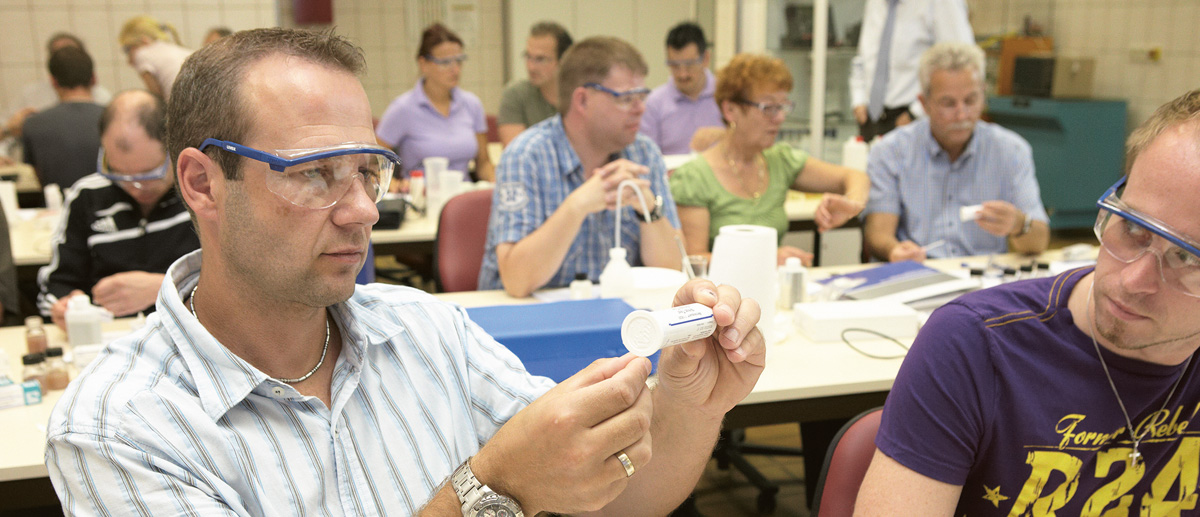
x=557, y=339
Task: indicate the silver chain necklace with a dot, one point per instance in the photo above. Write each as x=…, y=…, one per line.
x=192, y=306
x=1135, y=457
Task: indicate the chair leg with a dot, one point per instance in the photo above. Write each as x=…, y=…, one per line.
x=731, y=450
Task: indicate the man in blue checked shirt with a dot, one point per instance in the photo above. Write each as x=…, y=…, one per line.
x=950, y=178
x=267, y=383
x=554, y=209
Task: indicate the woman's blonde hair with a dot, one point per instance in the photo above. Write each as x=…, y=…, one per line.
x=147, y=26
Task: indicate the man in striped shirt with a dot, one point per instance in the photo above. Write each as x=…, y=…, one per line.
x=268, y=384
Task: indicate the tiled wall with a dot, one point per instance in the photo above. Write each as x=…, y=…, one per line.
x=25, y=26
x=390, y=32
x=1110, y=31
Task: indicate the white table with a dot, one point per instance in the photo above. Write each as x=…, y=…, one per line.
x=803, y=382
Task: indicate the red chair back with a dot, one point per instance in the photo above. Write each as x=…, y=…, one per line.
x=846, y=465
x=461, y=238
x=493, y=129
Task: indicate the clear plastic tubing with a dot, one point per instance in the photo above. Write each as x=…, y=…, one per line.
x=646, y=332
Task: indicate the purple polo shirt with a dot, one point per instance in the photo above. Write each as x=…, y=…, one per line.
x=672, y=117
x=416, y=129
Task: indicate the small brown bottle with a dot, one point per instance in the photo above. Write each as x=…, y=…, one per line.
x=35, y=335
x=57, y=377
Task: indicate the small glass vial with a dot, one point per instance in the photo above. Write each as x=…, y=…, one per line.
x=581, y=287
x=35, y=368
x=57, y=377
x=35, y=335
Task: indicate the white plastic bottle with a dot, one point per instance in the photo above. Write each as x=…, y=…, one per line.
x=83, y=321
x=793, y=283
x=854, y=153
x=616, y=281
x=581, y=287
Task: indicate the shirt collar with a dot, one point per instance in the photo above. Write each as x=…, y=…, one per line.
x=935, y=149
x=422, y=99
x=568, y=159
x=222, y=379
x=710, y=88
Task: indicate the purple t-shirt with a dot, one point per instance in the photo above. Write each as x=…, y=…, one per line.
x=416, y=129
x=1003, y=395
x=672, y=117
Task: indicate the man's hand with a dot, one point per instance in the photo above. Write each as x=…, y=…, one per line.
x=907, y=250
x=1000, y=218
x=711, y=375
x=559, y=453
x=599, y=192
x=126, y=293
x=834, y=210
x=860, y=114
x=786, y=252
x=903, y=119
x=58, y=312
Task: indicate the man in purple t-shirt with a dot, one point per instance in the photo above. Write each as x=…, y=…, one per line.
x=1071, y=395
x=675, y=110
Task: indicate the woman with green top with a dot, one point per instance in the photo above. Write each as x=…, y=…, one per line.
x=745, y=177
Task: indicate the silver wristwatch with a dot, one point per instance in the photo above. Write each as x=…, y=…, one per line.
x=479, y=500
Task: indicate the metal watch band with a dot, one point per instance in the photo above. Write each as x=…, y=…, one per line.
x=1026, y=225
x=471, y=492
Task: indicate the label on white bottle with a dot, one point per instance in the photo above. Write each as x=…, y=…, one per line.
x=646, y=332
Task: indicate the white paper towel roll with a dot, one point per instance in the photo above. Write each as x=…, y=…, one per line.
x=744, y=257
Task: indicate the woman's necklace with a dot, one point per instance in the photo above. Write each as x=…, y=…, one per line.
x=324, y=351
x=1135, y=457
x=760, y=170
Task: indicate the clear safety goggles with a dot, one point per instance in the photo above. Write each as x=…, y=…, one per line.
x=1127, y=234
x=318, y=178
x=137, y=179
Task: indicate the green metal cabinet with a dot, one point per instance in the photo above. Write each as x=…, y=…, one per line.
x=1078, y=150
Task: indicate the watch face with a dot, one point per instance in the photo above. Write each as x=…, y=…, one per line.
x=496, y=510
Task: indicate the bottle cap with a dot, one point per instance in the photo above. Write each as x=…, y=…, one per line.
x=581, y=276
x=34, y=358
x=54, y=351
x=33, y=321
x=793, y=262
x=641, y=333
x=1027, y=268
x=416, y=173
x=616, y=253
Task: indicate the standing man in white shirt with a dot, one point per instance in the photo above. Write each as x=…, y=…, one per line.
x=897, y=32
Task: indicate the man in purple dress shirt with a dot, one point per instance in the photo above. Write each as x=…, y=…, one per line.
x=675, y=110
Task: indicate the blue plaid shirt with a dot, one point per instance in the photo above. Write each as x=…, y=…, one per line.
x=911, y=176
x=537, y=172
x=167, y=421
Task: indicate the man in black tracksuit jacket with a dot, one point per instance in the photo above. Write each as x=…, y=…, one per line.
x=124, y=225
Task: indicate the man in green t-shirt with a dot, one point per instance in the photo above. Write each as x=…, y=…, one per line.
x=529, y=101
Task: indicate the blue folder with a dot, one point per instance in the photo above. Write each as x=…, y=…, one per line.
x=557, y=339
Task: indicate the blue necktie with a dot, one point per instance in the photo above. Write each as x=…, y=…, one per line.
x=882, y=64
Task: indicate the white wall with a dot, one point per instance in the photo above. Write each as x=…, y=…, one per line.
x=25, y=25
x=644, y=23
x=1109, y=31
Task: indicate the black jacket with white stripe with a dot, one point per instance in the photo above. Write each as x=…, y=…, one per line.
x=102, y=232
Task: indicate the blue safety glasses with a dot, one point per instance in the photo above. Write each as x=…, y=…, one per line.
x=625, y=99
x=1127, y=234
x=318, y=178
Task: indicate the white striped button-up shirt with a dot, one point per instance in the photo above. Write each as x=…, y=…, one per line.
x=168, y=421
x=912, y=176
